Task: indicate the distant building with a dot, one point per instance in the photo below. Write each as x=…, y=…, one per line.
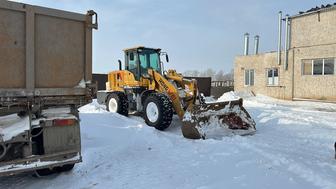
x=306, y=70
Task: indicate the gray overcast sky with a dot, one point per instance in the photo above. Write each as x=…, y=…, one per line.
x=197, y=34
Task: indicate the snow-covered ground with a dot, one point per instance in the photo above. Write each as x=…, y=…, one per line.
x=293, y=148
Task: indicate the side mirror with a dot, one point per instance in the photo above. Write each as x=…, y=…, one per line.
x=167, y=58
x=119, y=61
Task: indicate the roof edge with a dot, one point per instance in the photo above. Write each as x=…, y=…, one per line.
x=333, y=7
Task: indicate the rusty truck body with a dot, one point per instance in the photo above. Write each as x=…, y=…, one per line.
x=45, y=76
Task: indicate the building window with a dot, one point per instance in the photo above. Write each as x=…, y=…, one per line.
x=249, y=77
x=307, y=67
x=324, y=66
x=329, y=66
x=318, y=67
x=273, y=76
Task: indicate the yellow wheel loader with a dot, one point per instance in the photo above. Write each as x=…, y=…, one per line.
x=145, y=88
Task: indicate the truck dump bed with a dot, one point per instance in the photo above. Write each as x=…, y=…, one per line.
x=45, y=75
x=45, y=55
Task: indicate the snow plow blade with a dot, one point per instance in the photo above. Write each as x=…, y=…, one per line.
x=215, y=120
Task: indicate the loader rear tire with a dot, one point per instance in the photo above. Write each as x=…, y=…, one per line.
x=158, y=111
x=117, y=102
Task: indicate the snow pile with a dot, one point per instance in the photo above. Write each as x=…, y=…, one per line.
x=94, y=107
x=12, y=125
x=215, y=129
x=209, y=99
x=81, y=84
x=188, y=117
x=229, y=96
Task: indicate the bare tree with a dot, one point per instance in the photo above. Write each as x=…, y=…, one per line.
x=216, y=76
x=195, y=73
x=191, y=73
x=219, y=75
x=208, y=73
x=229, y=76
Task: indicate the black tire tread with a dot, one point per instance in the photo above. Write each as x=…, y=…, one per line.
x=121, y=100
x=165, y=110
x=65, y=168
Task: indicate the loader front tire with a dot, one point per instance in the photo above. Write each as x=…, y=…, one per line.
x=158, y=111
x=117, y=103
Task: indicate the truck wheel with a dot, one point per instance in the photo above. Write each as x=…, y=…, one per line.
x=65, y=168
x=43, y=172
x=117, y=102
x=158, y=111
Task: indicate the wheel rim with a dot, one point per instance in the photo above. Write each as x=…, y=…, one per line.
x=152, y=112
x=113, y=105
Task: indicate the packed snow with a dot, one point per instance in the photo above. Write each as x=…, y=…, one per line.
x=208, y=119
x=12, y=125
x=292, y=148
x=228, y=96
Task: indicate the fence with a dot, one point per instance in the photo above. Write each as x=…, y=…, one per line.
x=220, y=87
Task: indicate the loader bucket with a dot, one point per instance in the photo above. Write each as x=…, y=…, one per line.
x=215, y=120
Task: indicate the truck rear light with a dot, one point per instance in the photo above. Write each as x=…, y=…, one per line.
x=64, y=122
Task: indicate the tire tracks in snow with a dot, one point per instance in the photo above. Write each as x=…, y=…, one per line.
x=290, y=164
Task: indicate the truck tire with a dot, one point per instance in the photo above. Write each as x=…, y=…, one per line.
x=47, y=172
x=43, y=172
x=65, y=168
x=117, y=102
x=158, y=111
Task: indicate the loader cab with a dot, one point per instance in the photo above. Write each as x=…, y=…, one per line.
x=139, y=59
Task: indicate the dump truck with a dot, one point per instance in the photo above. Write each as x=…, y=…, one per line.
x=145, y=88
x=45, y=76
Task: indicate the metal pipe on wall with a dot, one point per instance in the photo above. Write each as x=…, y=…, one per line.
x=246, y=43
x=287, y=40
x=256, y=44
x=279, y=37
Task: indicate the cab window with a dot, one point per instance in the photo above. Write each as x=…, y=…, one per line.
x=154, y=62
x=131, y=61
x=149, y=59
x=132, y=64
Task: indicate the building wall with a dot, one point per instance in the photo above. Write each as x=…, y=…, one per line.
x=260, y=63
x=312, y=36
x=314, y=29
x=320, y=87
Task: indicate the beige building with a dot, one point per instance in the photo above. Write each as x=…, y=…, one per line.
x=306, y=70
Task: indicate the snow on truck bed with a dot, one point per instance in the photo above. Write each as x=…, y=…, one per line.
x=292, y=148
x=12, y=125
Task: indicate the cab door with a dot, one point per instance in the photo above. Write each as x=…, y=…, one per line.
x=132, y=64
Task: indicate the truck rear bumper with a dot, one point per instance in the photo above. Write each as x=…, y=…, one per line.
x=39, y=162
